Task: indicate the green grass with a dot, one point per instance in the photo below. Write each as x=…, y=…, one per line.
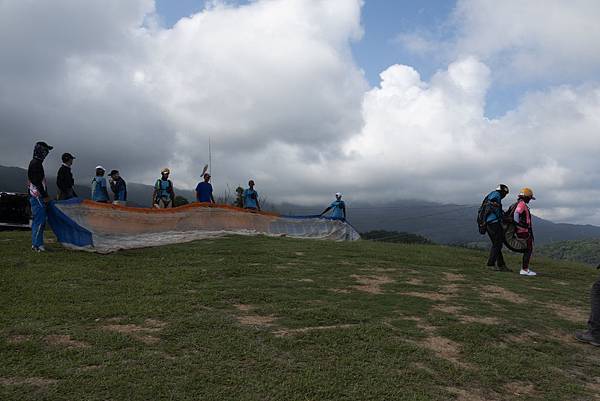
x=197, y=348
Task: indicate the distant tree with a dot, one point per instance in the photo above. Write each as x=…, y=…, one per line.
x=180, y=201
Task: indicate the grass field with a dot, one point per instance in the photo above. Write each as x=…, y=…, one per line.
x=254, y=318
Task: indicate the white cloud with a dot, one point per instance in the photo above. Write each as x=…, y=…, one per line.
x=431, y=140
x=523, y=41
x=274, y=85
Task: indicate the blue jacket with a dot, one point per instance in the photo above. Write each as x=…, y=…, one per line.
x=495, y=211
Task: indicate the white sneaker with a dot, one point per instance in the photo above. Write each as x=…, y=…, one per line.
x=38, y=248
x=527, y=273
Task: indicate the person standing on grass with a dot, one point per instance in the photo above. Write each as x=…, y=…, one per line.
x=250, y=197
x=494, y=229
x=99, y=186
x=118, y=186
x=337, y=207
x=64, y=178
x=524, y=227
x=592, y=335
x=204, y=190
x=38, y=195
x=164, y=195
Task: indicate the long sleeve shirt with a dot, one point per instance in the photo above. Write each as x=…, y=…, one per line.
x=37, y=179
x=64, y=179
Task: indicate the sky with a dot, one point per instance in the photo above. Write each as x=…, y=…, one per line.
x=381, y=100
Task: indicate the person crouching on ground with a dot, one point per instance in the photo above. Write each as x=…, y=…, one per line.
x=64, y=178
x=494, y=228
x=118, y=187
x=38, y=195
x=337, y=207
x=99, y=187
x=250, y=197
x=204, y=190
x=164, y=195
x=592, y=335
x=524, y=228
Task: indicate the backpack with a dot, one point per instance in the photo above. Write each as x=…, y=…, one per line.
x=510, y=212
x=482, y=214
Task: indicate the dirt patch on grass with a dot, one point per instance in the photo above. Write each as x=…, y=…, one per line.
x=88, y=368
x=594, y=388
x=454, y=277
x=482, y=320
x=340, y=290
x=299, y=253
x=458, y=312
x=569, y=313
x=18, y=339
x=433, y=296
x=449, y=309
x=422, y=366
x=140, y=333
x=27, y=381
x=520, y=388
x=444, y=348
x=452, y=289
x=371, y=284
x=306, y=280
x=66, y=341
x=495, y=292
x=414, y=281
x=243, y=307
x=256, y=320
x=524, y=337
x=289, y=332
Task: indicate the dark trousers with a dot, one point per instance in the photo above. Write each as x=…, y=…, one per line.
x=496, y=234
x=594, y=321
x=527, y=254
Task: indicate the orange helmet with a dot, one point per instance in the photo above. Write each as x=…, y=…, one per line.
x=527, y=193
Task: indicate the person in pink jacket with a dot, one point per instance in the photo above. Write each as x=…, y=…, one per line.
x=524, y=230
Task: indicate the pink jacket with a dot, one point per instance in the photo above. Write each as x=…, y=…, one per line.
x=522, y=217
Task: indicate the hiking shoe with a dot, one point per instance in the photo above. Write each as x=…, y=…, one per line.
x=527, y=273
x=586, y=337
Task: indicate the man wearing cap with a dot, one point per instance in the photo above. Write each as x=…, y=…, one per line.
x=337, y=207
x=204, y=190
x=99, y=187
x=493, y=220
x=118, y=186
x=64, y=178
x=38, y=195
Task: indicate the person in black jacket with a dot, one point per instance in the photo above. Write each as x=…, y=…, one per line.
x=64, y=178
x=118, y=186
x=38, y=195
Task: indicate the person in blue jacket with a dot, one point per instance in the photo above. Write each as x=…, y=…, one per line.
x=99, y=186
x=204, y=190
x=494, y=228
x=250, y=197
x=337, y=207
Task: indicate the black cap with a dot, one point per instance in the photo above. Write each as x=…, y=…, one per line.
x=113, y=172
x=44, y=144
x=66, y=157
